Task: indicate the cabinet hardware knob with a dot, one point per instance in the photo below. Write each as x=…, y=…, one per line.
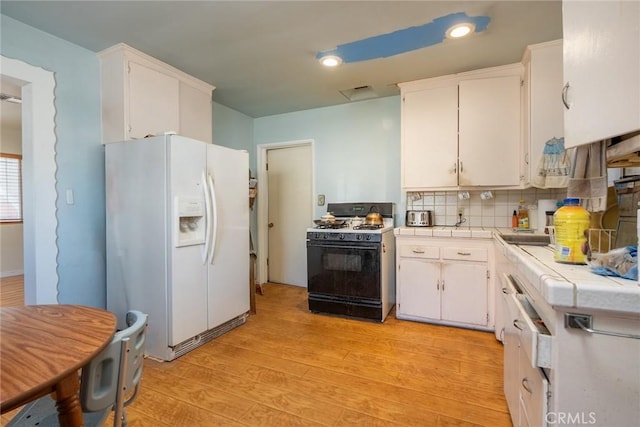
x=270, y=225
x=525, y=385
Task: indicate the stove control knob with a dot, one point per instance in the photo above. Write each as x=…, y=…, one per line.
x=368, y=236
x=325, y=235
x=359, y=237
x=341, y=236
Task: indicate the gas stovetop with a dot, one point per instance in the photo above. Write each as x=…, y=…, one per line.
x=350, y=218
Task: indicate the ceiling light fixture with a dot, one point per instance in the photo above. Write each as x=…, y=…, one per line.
x=460, y=30
x=330, y=60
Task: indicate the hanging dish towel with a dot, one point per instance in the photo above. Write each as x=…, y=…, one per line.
x=554, y=166
x=589, y=176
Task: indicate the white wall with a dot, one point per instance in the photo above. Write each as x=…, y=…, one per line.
x=11, y=246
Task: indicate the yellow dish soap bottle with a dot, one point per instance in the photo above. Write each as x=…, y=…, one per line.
x=523, y=215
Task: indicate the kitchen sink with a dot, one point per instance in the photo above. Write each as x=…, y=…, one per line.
x=526, y=239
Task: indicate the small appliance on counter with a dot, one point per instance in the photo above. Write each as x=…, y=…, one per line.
x=415, y=218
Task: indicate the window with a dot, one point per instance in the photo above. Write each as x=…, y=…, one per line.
x=10, y=187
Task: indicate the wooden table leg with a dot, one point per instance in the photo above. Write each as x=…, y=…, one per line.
x=68, y=401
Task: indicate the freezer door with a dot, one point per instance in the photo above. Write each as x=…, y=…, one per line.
x=228, y=278
x=188, y=285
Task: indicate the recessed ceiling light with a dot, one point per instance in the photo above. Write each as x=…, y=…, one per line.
x=460, y=30
x=330, y=61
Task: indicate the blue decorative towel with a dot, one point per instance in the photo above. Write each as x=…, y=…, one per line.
x=621, y=262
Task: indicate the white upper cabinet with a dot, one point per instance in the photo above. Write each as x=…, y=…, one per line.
x=453, y=126
x=601, y=69
x=545, y=111
x=430, y=138
x=489, y=129
x=143, y=96
x=151, y=91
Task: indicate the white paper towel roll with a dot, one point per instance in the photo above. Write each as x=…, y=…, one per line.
x=544, y=205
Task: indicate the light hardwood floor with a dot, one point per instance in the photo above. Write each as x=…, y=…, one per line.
x=286, y=366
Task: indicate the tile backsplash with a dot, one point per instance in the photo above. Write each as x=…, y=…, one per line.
x=478, y=211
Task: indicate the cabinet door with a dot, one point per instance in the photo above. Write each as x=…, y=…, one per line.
x=489, y=131
x=546, y=112
x=153, y=102
x=418, y=288
x=464, y=293
x=430, y=138
x=195, y=113
x=602, y=68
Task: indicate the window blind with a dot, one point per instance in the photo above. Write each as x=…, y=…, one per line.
x=10, y=188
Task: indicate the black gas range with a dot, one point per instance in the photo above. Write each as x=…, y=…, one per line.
x=350, y=267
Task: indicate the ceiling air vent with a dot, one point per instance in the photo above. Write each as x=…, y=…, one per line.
x=359, y=93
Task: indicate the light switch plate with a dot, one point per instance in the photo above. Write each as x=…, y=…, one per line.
x=320, y=199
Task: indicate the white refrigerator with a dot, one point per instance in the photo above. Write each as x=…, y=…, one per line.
x=177, y=237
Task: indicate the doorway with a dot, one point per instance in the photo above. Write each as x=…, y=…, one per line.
x=38, y=166
x=285, y=211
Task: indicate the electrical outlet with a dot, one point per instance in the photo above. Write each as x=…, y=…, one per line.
x=320, y=199
x=460, y=211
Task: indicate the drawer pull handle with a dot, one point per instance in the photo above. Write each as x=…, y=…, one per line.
x=585, y=321
x=464, y=253
x=525, y=385
x=417, y=251
x=517, y=325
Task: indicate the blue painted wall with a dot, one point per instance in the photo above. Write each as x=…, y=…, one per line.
x=79, y=157
x=357, y=148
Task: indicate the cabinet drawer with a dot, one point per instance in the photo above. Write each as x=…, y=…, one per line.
x=534, y=388
x=465, y=254
x=420, y=251
x=535, y=339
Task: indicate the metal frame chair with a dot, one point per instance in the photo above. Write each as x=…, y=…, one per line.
x=109, y=382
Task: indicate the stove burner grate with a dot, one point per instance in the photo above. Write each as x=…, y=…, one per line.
x=368, y=227
x=333, y=226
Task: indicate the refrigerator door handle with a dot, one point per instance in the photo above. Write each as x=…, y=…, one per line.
x=207, y=228
x=214, y=204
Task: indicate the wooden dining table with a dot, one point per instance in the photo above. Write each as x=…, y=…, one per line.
x=42, y=348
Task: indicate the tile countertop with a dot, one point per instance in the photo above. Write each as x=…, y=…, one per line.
x=442, y=231
x=571, y=285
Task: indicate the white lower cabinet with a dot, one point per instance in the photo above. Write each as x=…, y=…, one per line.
x=443, y=282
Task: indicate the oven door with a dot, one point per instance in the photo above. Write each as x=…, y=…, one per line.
x=344, y=269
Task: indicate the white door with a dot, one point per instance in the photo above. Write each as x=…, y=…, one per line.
x=228, y=287
x=489, y=129
x=151, y=90
x=601, y=68
x=430, y=138
x=419, y=288
x=289, y=191
x=464, y=293
x=188, y=273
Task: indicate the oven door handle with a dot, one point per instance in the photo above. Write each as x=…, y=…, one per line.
x=338, y=246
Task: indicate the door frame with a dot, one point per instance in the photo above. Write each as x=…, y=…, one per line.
x=39, y=192
x=263, y=198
